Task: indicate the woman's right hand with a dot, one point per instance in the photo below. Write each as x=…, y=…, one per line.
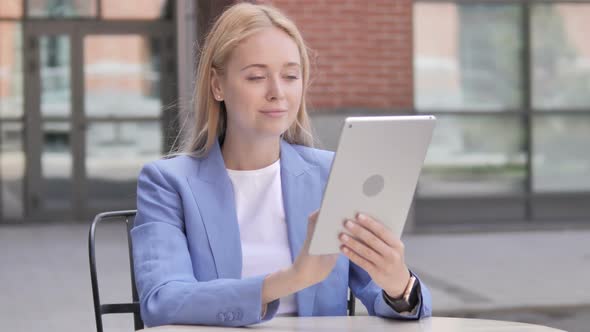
x=311, y=269
x=307, y=270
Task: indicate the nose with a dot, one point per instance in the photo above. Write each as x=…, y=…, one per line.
x=275, y=89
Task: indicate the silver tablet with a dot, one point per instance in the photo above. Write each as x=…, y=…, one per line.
x=375, y=171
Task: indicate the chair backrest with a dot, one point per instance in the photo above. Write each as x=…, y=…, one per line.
x=113, y=308
x=351, y=303
x=102, y=309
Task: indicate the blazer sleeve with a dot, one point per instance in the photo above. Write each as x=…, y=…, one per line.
x=168, y=290
x=371, y=296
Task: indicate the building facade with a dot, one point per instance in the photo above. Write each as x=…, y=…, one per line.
x=90, y=90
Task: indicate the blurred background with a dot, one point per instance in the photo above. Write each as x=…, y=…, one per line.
x=90, y=90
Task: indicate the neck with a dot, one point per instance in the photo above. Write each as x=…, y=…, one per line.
x=246, y=154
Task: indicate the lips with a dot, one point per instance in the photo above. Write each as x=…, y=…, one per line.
x=274, y=113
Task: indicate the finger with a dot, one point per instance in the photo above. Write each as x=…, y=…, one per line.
x=362, y=250
x=314, y=215
x=361, y=233
x=311, y=224
x=379, y=230
x=358, y=259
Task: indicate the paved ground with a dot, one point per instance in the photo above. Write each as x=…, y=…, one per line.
x=538, y=277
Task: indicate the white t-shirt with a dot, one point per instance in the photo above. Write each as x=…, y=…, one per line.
x=263, y=229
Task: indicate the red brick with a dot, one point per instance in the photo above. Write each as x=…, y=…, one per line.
x=363, y=51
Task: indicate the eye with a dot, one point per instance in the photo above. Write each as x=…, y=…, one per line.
x=255, y=78
x=292, y=77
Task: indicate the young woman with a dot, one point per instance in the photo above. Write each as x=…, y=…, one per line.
x=222, y=231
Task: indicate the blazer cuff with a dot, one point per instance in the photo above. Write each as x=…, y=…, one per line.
x=407, y=312
x=271, y=310
x=382, y=308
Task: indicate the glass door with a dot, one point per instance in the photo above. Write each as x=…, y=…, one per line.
x=123, y=101
x=12, y=156
x=94, y=100
x=49, y=122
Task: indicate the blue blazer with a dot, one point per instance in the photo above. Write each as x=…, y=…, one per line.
x=187, y=249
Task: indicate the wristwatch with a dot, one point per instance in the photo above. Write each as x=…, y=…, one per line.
x=408, y=300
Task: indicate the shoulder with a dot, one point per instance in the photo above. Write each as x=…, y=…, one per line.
x=316, y=157
x=176, y=166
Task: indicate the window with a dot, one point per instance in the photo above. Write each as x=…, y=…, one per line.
x=11, y=9
x=62, y=8
x=467, y=57
x=468, y=70
x=561, y=56
x=509, y=83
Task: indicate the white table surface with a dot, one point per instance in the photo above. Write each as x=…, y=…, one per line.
x=368, y=323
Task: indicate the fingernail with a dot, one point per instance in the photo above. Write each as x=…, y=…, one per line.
x=349, y=224
x=362, y=217
x=344, y=237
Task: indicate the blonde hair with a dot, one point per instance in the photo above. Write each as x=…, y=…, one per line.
x=207, y=122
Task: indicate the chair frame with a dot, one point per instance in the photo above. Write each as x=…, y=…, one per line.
x=132, y=307
x=351, y=303
x=113, y=308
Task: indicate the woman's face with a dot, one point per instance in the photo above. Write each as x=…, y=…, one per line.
x=262, y=85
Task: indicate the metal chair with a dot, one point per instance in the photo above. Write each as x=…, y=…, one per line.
x=133, y=307
x=114, y=308
x=351, y=303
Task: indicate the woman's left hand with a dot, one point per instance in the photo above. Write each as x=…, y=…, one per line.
x=378, y=251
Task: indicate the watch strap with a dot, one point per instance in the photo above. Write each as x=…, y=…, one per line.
x=408, y=300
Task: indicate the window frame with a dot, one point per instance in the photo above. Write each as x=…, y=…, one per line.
x=433, y=211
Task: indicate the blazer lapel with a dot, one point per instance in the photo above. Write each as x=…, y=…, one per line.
x=302, y=193
x=213, y=193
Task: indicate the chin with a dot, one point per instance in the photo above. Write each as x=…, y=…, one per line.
x=274, y=131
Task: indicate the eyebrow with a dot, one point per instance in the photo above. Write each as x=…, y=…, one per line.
x=259, y=65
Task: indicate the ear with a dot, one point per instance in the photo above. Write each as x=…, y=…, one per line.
x=216, y=87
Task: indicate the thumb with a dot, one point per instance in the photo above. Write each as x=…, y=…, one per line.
x=314, y=216
x=311, y=223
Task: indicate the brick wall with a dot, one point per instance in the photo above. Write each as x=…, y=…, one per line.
x=363, y=51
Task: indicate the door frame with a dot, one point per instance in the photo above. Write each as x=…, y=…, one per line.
x=77, y=30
